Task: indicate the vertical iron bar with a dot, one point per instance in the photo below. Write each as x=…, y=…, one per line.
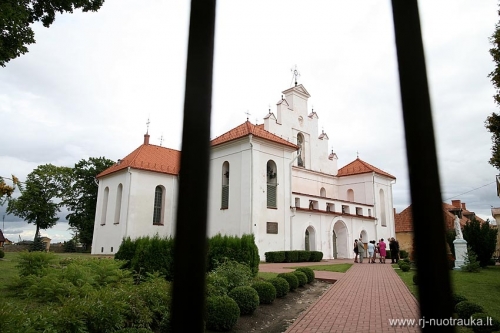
x=188, y=297
x=428, y=221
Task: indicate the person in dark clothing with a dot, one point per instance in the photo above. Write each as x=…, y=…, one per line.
x=394, y=247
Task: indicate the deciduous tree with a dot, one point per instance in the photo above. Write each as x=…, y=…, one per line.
x=492, y=122
x=38, y=203
x=17, y=16
x=80, y=197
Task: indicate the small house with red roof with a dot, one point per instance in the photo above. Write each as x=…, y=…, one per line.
x=276, y=180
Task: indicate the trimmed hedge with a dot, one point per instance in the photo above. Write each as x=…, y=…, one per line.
x=466, y=309
x=302, y=277
x=291, y=278
x=246, y=297
x=222, y=313
x=294, y=256
x=241, y=249
x=281, y=285
x=266, y=291
x=483, y=324
x=308, y=272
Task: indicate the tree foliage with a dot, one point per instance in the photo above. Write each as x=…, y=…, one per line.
x=80, y=196
x=16, y=16
x=482, y=239
x=492, y=122
x=37, y=203
x=7, y=190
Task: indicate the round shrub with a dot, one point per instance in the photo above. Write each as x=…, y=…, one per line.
x=483, y=323
x=415, y=279
x=246, y=297
x=281, y=285
x=457, y=298
x=2, y=254
x=222, y=313
x=266, y=291
x=302, y=277
x=308, y=272
x=292, y=280
x=405, y=267
x=466, y=309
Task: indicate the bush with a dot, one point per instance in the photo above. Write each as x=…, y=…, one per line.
x=275, y=256
x=291, y=256
x=241, y=249
x=404, y=267
x=2, y=254
x=470, y=263
x=233, y=273
x=38, y=245
x=483, y=324
x=246, y=297
x=309, y=273
x=415, y=279
x=222, y=313
x=302, y=277
x=457, y=298
x=266, y=291
x=303, y=256
x=281, y=285
x=481, y=237
x=33, y=263
x=403, y=254
x=292, y=280
x=316, y=256
x=69, y=246
x=466, y=309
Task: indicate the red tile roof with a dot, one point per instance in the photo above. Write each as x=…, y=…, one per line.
x=148, y=157
x=358, y=166
x=404, y=221
x=248, y=128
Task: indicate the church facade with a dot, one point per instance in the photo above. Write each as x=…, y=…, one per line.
x=275, y=180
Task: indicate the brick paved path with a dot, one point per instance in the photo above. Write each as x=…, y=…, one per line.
x=362, y=300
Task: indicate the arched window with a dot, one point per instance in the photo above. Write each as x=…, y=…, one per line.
x=225, y=186
x=350, y=195
x=272, y=183
x=301, y=143
x=105, y=206
x=383, y=220
x=118, y=205
x=158, y=205
x=322, y=192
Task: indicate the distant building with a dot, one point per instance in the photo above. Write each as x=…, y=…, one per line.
x=404, y=221
x=2, y=238
x=276, y=180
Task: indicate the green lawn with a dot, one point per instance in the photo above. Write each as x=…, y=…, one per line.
x=341, y=268
x=482, y=288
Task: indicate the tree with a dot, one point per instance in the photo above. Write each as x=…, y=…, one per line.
x=482, y=239
x=492, y=122
x=36, y=204
x=16, y=16
x=80, y=197
x=7, y=190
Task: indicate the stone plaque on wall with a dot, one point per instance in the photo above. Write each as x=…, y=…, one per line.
x=272, y=227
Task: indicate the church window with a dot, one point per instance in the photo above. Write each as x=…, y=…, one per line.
x=307, y=241
x=301, y=153
x=104, y=206
x=118, y=206
x=369, y=212
x=383, y=214
x=225, y=186
x=330, y=207
x=272, y=184
x=350, y=195
x=158, y=205
x=322, y=192
x=297, y=202
x=359, y=211
x=345, y=209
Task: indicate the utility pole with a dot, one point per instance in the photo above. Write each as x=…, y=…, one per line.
x=3, y=223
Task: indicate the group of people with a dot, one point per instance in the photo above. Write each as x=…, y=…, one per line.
x=374, y=248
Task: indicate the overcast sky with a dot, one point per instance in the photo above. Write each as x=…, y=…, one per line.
x=92, y=80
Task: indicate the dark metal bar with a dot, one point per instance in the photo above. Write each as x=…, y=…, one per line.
x=428, y=221
x=188, y=297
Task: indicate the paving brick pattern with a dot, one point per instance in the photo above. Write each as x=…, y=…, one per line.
x=362, y=300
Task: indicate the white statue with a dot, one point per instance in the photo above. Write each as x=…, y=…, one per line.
x=458, y=229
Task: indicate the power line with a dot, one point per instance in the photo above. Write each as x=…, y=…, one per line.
x=477, y=188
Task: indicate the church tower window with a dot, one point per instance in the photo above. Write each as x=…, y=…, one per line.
x=105, y=206
x=272, y=184
x=225, y=186
x=158, y=205
x=322, y=192
x=118, y=206
x=350, y=195
x=301, y=153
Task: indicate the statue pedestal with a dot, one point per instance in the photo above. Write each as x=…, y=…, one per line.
x=460, y=252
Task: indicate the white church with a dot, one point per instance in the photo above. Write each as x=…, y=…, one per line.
x=276, y=180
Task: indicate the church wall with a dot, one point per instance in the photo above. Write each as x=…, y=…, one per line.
x=107, y=238
x=235, y=220
x=361, y=184
x=307, y=182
